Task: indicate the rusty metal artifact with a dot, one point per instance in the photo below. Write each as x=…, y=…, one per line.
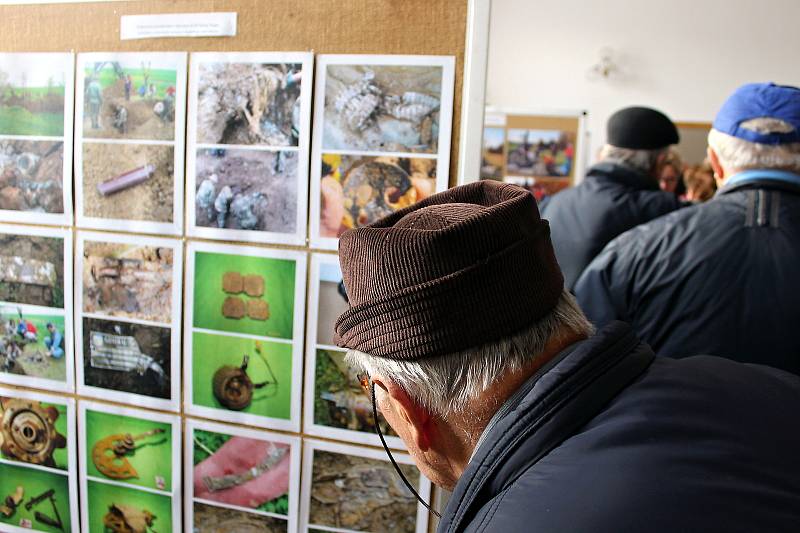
x=28, y=432
x=233, y=388
x=127, y=519
x=109, y=454
x=228, y=481
x=11, y=502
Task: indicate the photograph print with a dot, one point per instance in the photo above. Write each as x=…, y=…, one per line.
x=249, y=136
x=36, y=95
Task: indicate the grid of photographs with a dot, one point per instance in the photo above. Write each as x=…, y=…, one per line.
x=129, y=469
x=240, y=479
x=38, y=463
x=381, y=138
x=336, y=405
x=351, y=488
x=36, y=96
x=249, y=122
x=243, y=332
x=128, y=317
x=130, y=141
x=36, y=307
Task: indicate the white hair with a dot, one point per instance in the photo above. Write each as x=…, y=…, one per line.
x=446, y=385
x=642, y=160
x=739, y=154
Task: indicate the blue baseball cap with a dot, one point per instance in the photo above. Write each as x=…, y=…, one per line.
x=761, y=100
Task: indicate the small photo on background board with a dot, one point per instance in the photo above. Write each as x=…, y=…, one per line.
x=243, y=334
x=493, y=155
x=240, y=479
x=248, y=131
x=128, y=331
x=36, y=307
x=38, y=463
x=381, y=138
x=351, y=488
x=336, y=405
x=130, y=143
x=130, y=468
x=36, y=95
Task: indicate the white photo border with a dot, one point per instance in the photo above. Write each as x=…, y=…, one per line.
x=68, y=385
x=178, y=144
x=295, y=450
x=263, y=422
x=176, y=482
x=310, y=445
x=72, y=455
x=55, y=219
x=442, y=156
x=302, y=149
x=309, y=427
x=174, y=402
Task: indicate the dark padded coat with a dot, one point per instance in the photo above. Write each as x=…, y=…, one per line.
x=615, y=440
x=721, y=278
x=611, y=200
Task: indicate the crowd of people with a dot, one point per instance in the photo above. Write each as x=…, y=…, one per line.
x=584, y=369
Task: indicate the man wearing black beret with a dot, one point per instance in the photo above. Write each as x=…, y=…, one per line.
x=618, y=193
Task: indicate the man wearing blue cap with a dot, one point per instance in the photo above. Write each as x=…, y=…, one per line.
x=719, y=278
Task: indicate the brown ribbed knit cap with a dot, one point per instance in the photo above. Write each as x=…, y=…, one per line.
x=457, y=270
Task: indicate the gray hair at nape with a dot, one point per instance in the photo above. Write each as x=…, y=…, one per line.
x=739, y=154
x=642, y=160
x=446, y=385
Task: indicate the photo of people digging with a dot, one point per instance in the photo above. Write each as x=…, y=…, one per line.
x=130, y=97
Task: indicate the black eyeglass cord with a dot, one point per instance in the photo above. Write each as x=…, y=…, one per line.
x=409, y=486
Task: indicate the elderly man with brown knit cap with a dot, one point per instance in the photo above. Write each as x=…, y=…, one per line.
x=490, y=373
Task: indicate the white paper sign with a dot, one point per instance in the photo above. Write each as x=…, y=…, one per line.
x=178, y=25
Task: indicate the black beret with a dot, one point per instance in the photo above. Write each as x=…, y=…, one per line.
x=640, y=128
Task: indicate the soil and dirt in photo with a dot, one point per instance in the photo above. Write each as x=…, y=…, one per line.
x=339, y=400
x=362, y=494
x=249, y=103
x=150, y=200
x=210, y=519
x=28, y=354
x=382, y=108
x=123, y=101
x=32, y=270
x=127, y=357
x=246, y=190
x=31, y=176
x=128, y=280
x=359, y=190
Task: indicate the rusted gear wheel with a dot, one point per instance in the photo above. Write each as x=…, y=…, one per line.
x=233, y=387
x=28, y=431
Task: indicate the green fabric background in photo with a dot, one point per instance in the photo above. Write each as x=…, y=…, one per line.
x=35, y=482
x=278, y=293
x=101, y=496
x=210, y=352
x=60, y=455
x=149, y=460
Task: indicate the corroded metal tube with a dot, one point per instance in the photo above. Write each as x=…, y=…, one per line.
x=126, y=180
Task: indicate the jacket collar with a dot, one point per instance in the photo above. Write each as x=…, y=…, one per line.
x=762, y=178
x=624, y=174
x=562, y=400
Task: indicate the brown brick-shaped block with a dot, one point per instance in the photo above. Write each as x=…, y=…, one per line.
x=254, y=285
x=233, y=307
x=258, y=309
x=232, y=282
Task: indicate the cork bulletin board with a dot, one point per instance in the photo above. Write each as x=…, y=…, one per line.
x=307, y=419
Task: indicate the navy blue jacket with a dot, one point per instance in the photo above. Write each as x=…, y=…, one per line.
x=611, y=200
x=721, y=278
x=613, y=439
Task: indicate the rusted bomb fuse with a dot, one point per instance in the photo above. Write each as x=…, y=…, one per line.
x=126, y=180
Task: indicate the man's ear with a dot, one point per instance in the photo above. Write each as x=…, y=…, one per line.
x=416, y=418
x=719, y=172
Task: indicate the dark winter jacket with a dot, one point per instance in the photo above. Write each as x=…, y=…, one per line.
x=615, y=440
x=721, y=278
x=611, y=200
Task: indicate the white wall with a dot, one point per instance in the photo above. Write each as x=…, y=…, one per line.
x=681, y=56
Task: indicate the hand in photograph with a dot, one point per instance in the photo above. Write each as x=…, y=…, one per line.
x=236, y=458
x=332, y=207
